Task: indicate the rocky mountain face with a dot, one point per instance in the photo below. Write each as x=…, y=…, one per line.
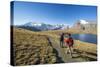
x=85, y=25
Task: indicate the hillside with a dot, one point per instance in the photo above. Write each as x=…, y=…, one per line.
x=31, y=48
x=43, y=48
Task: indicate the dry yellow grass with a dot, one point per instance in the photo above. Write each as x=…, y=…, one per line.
x=87, y=47
x=32, y=48
x=90, y=47
x=72, y=31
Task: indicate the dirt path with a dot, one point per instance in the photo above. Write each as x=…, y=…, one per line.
x=62, y=53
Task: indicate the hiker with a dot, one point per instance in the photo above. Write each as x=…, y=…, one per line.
x=61, y=40
x=69, y=43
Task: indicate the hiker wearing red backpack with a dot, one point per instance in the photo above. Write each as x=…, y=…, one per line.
x=69, y=43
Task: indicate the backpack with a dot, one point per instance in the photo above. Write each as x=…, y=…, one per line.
x=69, y=41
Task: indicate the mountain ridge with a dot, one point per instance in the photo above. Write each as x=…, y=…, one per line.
x=42, y=26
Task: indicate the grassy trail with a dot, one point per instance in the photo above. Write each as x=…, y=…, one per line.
x=66, y=57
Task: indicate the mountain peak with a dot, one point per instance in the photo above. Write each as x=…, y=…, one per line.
x=83, y=21
x=32, y=24
x=45, y=26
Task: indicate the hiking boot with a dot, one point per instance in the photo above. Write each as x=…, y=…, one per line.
x=67, y=52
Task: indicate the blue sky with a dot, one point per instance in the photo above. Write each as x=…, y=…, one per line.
x=25, y=12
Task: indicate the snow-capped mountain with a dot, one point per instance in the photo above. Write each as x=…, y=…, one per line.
x=83, y=22
x=33, y=24
x=43, y=26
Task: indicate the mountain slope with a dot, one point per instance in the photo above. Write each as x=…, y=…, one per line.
x=32, y=48
x=86, y=26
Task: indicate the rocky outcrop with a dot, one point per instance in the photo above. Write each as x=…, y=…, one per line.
x=88, y=26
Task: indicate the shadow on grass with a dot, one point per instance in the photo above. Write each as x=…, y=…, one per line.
x=59, y=59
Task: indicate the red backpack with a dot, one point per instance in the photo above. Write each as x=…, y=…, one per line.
x=69, y=41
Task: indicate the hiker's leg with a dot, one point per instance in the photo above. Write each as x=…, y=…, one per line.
x=64, y=44
x=60, y=43
x=70, y=51
x=67, y=50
